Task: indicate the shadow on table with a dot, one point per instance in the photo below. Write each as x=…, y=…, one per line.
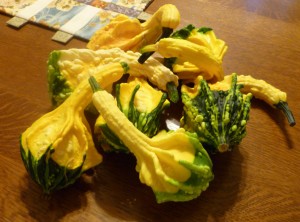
x=43, y=207
x=278, y=117
x=123, y=197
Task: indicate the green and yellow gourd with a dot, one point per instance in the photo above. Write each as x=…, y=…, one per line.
x=260, y=89
x=141, y=104
x=219, y=117
x=190, y=52
x=173, y=164
x=67, y=68
x=58, y=147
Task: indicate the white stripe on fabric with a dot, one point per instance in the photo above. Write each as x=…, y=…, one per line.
x=80, y=20
x=33, y=9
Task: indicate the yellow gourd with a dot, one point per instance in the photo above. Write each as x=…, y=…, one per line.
x=190, y=52
x=130, y=34
x=58, y=147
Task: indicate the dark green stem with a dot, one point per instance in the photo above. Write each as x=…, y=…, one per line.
x=287, y=112
x=166, y=32
x=142, y=59
x=172, y=92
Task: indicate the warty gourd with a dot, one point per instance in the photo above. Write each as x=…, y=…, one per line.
x=260, y=89
x=173, y=164
x=219, y=117
x=67, y=68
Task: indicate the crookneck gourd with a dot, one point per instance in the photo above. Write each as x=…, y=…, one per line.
x=173, y=164
x=129, y=33
x=260, y=90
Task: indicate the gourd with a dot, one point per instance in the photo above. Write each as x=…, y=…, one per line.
x=190, y=52
x=173, y=164
x=219, y=117
x=58, y=147
x=130, y=34
x=67, y=68
x=260, y=89
x=142, y=105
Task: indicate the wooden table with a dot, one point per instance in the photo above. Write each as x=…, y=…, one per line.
x=259, y=181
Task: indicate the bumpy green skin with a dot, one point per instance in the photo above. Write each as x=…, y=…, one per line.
x=218, y=117
x=183, y=33
x=201, y=176
x=58, y=88
x=147, y=123
x=47, y=173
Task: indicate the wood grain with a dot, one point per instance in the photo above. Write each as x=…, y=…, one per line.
x=258, y=181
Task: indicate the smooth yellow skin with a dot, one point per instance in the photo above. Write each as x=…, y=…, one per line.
x=130, y=34
x=122, y=32
x=192, y=92
x=260, y=89
x=146, y=99
x=157, y=157
x=166, y=16
x=209, y=40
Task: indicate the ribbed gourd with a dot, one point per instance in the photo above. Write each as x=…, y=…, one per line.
x=192, y=51
x=129, y=33
x=141, y=104
x=58, y=147
x=219, y=117
x=173, y=164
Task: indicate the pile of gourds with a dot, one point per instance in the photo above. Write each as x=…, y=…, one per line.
x=132, y=90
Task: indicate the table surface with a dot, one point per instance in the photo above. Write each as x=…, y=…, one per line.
x=258, y=181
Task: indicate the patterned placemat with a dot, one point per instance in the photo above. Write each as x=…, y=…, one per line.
x=80, y=18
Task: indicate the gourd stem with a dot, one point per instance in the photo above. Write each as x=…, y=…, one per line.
x=287, y=112
x=172, y=92
x=166, y=32
x=94, y=84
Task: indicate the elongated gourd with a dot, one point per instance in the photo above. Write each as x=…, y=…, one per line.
x=67, y=68
x=173, y=164
x=58, y=147
x=260, y=89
